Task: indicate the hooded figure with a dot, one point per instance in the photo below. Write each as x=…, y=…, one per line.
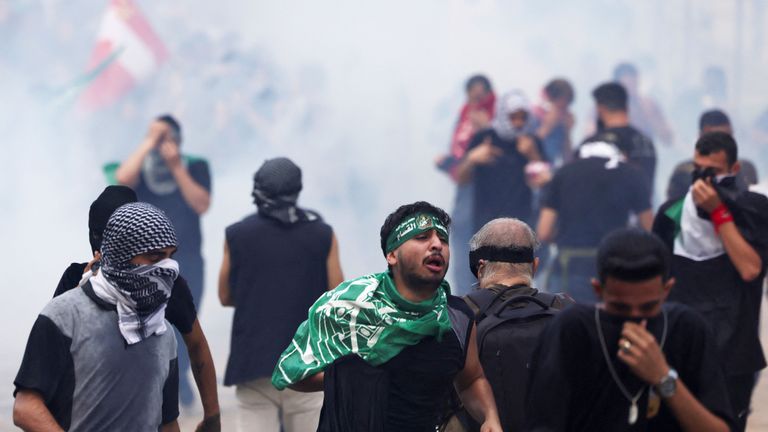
x=276, y=187
x=512, y=115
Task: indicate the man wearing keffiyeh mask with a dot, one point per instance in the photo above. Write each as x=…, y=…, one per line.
x=136, y=272
x=101, y=357
x=718, y=233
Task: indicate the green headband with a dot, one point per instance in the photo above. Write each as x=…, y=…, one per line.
x=413, y=226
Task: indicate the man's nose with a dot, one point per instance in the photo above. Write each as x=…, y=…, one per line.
x=435, y=243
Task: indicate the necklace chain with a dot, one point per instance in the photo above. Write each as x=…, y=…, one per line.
x=614, y=375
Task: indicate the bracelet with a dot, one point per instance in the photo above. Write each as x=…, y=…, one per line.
x=721, y=215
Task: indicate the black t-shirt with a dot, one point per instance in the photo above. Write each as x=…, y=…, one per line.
x=500, y=187
x=185, y=220
x=715, y=289
x=571, y=388
x=180, y=311
x=638, y=148
x=592, y=200
x=409, y=393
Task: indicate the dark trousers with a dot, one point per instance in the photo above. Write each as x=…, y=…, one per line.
x=740, y=389
x=192, y=270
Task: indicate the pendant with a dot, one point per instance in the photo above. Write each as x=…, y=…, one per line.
x=633, y=413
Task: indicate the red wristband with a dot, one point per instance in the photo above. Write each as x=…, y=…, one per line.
x=721, y=215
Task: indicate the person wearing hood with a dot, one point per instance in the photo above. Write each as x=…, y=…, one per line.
x=718, y=234
x=103, y=356
x=276, y=262
x=586, y=199
x=496, y=160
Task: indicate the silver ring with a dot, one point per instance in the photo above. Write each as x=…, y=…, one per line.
x=625, y=345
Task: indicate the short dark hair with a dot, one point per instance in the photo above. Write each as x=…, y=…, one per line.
x=559, y=88
x=404, y=211
x=612, y=96
x=713, y=117
x=173, y=124
x=478, y=79
x=714, y=142
x=632, y=255
x=624, y=69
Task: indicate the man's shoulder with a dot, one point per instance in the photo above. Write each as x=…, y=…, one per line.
x=64, y=309
x=70, y=278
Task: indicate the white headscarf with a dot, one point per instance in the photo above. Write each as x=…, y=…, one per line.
x=510, y=102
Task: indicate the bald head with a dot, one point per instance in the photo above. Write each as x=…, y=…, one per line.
x=505, y=233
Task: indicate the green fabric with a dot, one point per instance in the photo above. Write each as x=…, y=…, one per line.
x=675, y=212
x=413, y=226
x=366, y=316
x=109, y=172
x=111, y=168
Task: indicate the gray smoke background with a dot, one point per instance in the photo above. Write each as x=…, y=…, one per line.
x=362, y=95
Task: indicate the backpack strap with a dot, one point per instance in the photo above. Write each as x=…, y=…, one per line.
x=482, y=299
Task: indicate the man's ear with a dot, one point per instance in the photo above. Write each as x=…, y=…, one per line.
x=391, y=258
x=668, y=287
x=535, y=266
x=597, y=287
x=736, y=167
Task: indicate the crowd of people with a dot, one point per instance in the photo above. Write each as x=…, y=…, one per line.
x=582, y=308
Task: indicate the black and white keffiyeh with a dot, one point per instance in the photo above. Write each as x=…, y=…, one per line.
x=140, y=292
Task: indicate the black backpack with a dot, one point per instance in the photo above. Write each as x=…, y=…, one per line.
x=508, y=329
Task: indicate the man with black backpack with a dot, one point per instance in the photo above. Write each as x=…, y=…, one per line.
x=510, y=313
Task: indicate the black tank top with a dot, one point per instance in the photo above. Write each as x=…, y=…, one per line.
x=277, y=272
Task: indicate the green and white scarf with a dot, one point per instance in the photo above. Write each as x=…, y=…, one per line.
x=365, y=316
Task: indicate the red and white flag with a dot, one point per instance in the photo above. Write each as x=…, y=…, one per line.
x=127, y=51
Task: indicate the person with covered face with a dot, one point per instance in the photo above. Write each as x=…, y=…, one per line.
x=631, y=362
x=389, y=348
x=276, y=263
x=102, y=356
x=718, y=233
x=496, y=160
x=180, y=312
x=180, y=185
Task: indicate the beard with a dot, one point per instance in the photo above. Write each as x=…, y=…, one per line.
x=417, y=277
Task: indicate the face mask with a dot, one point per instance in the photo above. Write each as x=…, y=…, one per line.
x=728, y=186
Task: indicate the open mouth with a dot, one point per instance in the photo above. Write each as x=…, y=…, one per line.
x=435, y=263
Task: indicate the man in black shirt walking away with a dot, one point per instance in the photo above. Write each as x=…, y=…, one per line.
x=587, y=199
x=276, y=263
x=631, y=362
x=613, y=127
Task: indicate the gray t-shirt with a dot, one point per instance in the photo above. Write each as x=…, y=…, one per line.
x=89, y=378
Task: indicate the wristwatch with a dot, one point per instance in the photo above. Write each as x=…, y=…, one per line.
x=668, y=385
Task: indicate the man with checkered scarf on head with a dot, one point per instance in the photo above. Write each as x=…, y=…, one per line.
x=103, y=357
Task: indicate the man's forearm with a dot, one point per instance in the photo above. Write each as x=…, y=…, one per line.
x=195, y=195
x=309, y=384
x=691, y=414
x=31, y=415
x=479, y=402
x=203, y=369
x=742, y=255
x=170, y=427
x=128, y=171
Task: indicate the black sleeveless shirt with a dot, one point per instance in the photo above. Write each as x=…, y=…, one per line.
x=277, y=272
